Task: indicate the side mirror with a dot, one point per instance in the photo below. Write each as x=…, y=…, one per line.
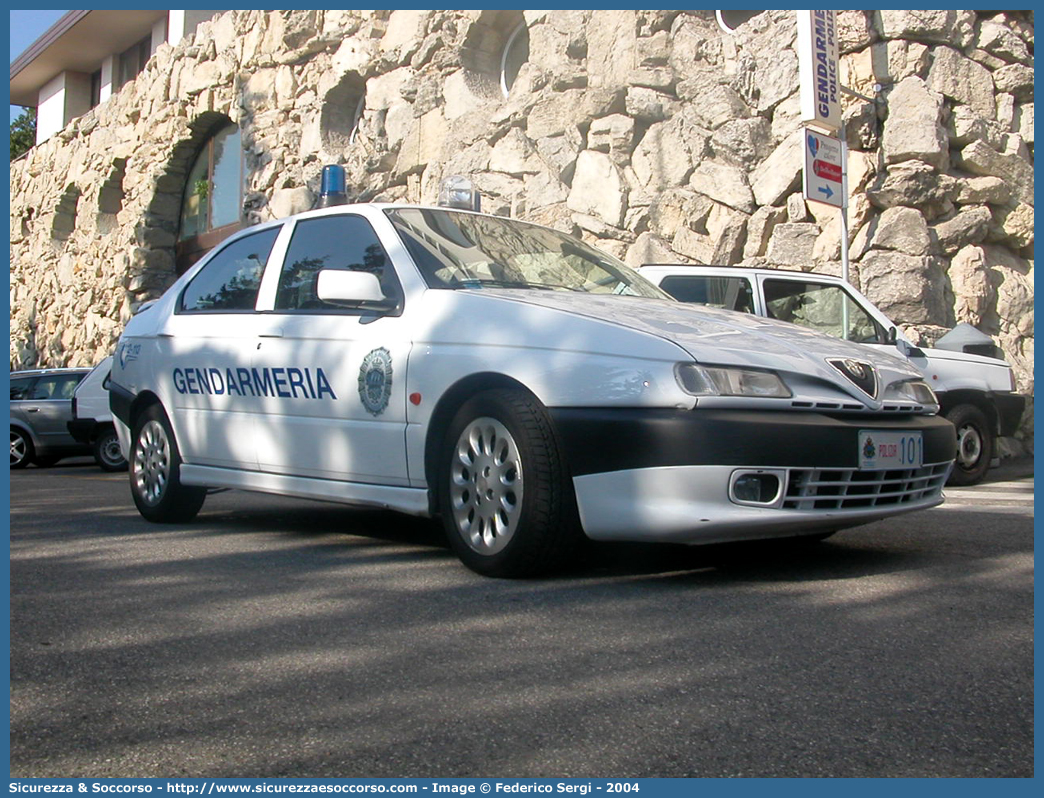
x=349, y=289
x=892, y=337
x=905, y=348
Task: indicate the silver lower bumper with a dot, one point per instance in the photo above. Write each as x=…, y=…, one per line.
x=691, y=504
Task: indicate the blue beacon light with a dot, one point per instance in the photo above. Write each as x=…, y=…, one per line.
x=332, y=188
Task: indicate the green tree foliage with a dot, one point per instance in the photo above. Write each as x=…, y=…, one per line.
x=23, y=132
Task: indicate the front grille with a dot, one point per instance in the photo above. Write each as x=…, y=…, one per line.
x=850, y=407
x=851, y=489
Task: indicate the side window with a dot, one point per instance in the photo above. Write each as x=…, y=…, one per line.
x=44, y=388
x=66, y=386
x=58, y=386
x=230, y=281
x=823, y=307
x=330, y=242
x=20, y=387
x=728, y=293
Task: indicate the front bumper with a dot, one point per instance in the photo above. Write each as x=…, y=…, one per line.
x=665, y=475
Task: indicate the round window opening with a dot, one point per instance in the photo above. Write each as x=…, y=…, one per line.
x=731, y=19
x=516, y=53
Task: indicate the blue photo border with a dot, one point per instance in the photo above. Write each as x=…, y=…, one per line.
x=649, y=788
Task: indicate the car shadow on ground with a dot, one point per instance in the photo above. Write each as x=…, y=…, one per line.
x=403, y=537
x=285, y=638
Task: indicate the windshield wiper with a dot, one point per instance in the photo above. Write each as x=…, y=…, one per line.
x=483, y=283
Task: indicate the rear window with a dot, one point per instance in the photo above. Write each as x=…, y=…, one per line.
x=231, y=279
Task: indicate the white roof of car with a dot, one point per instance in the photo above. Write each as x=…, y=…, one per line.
x=707, y=267
x=37, y=372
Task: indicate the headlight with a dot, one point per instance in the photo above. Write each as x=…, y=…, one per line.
x=722, y=381
x=912, y=391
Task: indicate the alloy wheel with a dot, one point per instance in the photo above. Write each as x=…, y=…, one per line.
x=19, y=448
x=486, y=485
x=152, y=462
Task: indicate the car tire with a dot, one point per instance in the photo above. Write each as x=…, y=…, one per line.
x=21, y=449
x=975, y=445
x=155, y=472
x=506, y=499
x=107, y=452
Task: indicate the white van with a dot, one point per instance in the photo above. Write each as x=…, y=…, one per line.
x=92, y=420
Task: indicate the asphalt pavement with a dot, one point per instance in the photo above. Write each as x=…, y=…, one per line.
x=278, y=637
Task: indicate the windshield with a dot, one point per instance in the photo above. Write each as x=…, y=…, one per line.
x=462, y=250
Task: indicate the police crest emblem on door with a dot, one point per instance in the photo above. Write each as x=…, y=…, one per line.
x=375, y=380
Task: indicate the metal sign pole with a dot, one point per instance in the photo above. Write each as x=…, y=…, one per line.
x=844, y=210
x=844, y=228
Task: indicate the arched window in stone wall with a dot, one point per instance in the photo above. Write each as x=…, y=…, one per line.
x=65, y=213
x=496, y=47
x=212, y=205
x=110, y=195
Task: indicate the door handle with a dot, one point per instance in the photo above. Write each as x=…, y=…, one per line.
x=32, y=410
x=272, y=334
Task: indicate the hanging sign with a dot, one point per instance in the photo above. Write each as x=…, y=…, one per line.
x=818, y=64
x=824, y=169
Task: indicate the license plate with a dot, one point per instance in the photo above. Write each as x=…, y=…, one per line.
x=884, y=450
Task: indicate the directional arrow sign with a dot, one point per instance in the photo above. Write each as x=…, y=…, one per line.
x=824, y=169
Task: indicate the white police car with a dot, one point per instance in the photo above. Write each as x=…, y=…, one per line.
x=513, y=380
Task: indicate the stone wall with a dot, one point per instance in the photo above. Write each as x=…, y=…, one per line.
x=652, y=134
